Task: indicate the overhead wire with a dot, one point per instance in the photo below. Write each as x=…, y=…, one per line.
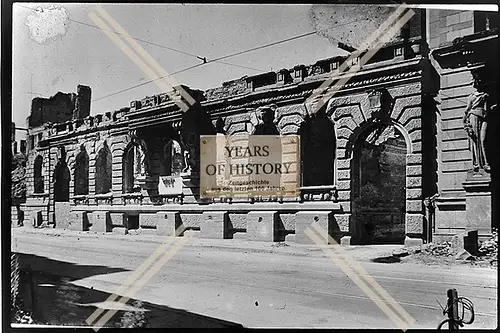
x=218, y=59
x=152, y=43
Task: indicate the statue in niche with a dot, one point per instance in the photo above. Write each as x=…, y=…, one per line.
x=191, y=152
x=475, y=125
x=140, y=161
x=178, y=162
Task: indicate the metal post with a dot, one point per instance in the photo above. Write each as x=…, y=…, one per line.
x=453, y=309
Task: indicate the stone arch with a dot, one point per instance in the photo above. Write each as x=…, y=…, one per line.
x=81, y=177
x=355, y=114
x=352, y=115
x=378, y=184
x=38, y=174
x=367, y=126
x=289, y=118
x=103, y=170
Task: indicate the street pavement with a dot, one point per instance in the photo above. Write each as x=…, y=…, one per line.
x=259, y=284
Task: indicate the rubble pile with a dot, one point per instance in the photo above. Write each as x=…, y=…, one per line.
x=489, y=249
x=439, y=249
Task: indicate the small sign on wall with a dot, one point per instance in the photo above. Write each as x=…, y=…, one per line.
x=170, y=185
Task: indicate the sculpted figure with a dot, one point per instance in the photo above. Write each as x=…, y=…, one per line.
x=141, y=162
x=475, y=124
x=191, y=153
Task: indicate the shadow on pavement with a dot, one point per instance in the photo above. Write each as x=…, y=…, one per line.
x=47, y=292
x=387, y=260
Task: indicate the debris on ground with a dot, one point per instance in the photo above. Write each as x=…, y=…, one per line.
x=279, y=244
x=446, y=253
x=488, y=250
x=464, y=255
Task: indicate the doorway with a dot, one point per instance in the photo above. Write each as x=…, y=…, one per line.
x=379, y=186
x=61, y=195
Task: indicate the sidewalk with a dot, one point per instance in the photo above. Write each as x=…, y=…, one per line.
x=360, y=252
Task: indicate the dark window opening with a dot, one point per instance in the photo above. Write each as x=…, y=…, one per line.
x=128, y=170
x=82, y=173
x=61, y=182
x=104, y=169
x=38, y=177
x=318, y=150
x=132, y=222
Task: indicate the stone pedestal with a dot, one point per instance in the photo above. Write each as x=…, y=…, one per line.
x=214, y=225
x=101, y=221
x=118, y=223
x=79, y=221
x=36, y=219
x=413, y=242
x=117, y=219
x=345, y=241
x=304, y=220
x=478, y=203
x=168, y=224
x=261, y=226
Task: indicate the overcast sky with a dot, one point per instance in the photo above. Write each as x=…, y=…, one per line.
x=52, y=52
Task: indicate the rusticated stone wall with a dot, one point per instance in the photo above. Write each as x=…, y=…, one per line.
x=352, y=116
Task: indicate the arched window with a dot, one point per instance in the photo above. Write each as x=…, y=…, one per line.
x=103, y=170
x=82, y=173
x=318, y=150
x=61, y=182
x=38, y=178
x=128, y=169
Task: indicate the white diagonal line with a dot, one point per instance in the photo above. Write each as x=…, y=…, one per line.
x=173, y=84
x=374, y=37
x=147, y=276
x=137, y=273
x=354, y=271
x=357, y=266
x=135, y=58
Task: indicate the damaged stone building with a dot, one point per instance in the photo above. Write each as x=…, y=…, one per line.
x=386, y=160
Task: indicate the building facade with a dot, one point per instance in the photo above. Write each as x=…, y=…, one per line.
x=386, y=160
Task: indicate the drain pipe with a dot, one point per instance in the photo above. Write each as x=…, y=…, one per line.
x=430, y=212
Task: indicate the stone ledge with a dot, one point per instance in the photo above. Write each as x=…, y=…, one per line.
x=235, y=207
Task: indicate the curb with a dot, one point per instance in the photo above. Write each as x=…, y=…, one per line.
x=259, y=247
x=293, y=249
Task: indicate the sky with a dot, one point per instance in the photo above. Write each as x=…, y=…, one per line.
x=57, y=48
x=80, y=54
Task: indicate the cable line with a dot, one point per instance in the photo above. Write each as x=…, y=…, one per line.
x=228, y=56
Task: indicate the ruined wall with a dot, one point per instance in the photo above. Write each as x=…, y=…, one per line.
x=37, y=204
x=61, y=107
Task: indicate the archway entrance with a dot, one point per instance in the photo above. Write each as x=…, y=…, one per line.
x=379, y=186
x=61, y=195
